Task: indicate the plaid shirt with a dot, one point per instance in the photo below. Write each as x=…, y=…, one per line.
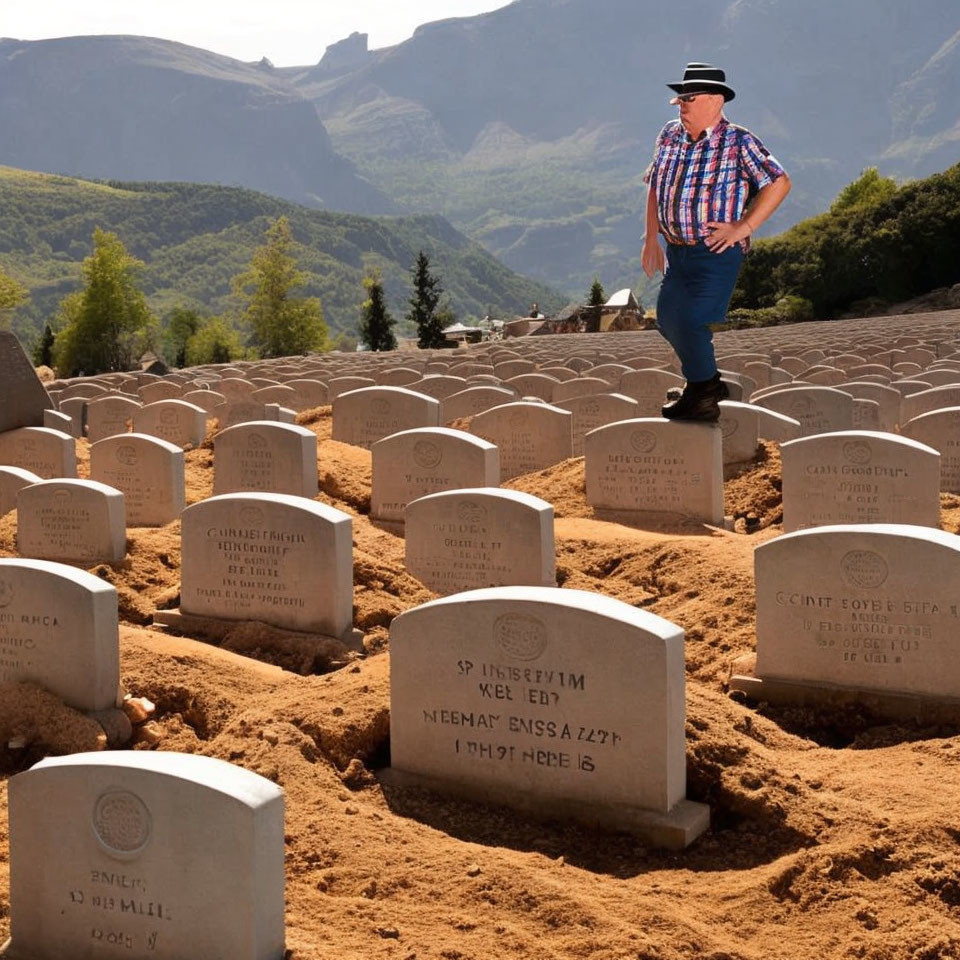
x=710, y=179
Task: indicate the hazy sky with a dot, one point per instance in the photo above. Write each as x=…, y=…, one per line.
x=289, y=32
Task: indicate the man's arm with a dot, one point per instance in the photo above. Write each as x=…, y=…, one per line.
x=725, y=235
x=652, y=257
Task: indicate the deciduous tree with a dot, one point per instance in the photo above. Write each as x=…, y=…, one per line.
x=107, y=324
x=282, y=324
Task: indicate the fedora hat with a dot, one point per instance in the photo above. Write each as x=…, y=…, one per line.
x=703, y=78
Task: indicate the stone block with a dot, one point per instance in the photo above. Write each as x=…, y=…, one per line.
x=268, y=457
x=507, y=695
x=72, y=521
x=818, y=409
x=596, y=410
x=415, y=463
x=654, y=469
x=11, y=480
x=463, y=539
x=23, y=397
x=361, y=417
x=58, y=630
x=47, y=453
x=172, y=420
x=157, y=854
x=530, y=436
x=148, y=471
x=109, y=416
x=279, y=559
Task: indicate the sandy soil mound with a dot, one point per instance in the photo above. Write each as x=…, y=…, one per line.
x=834, y=834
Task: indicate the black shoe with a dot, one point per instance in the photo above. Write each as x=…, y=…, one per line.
x=699, y=401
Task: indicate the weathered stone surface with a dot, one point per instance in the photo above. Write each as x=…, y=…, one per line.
x=79, y=521
x=649, y=468
x=818, y=409
x=23, y=397
x=148, y=471
x=473, y=400
x=530, y=436
x=45, y=452
x=267, y=457
x=940, y=429
x=865, y=607
x=172, y=420
x=505, y=693
x=109, y=416
x=361, y=417
x=11, y=480
x=738, y=430
x=649, y=388
x=157, y=854
x=859, y=476
x=271, y=557
x=58, y=629
x=464, y=539
x=596, y=410
x=416, y=463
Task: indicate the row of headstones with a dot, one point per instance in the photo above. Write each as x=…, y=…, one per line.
x=490, y=689
x=636, y=468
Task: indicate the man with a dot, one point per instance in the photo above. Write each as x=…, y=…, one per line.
x=711, y=184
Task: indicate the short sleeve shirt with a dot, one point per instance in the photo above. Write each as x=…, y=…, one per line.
x=709, y=179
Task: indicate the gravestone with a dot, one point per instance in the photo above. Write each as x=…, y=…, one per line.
x=859, y=476
x=653, y=469
x=775, y=426
x=649, y=388
x=415, y=463
x=11, y=480
x=818, y=409
x=78, y=521
x=533, y=385
x=398, y=377
x=109, y=416
x=307, y=394
x=940, y=429
x=160, y=390
x=267, y=457
x=580, y=387
x=172, y=420
x=157, y=854
x=338, y=385
x=464, y=539
x=472, y=401
x=887, y=398
x=76, y=409
x=439, y=386
x=530, y=436
x=45, y=452
x=279, y=559
x=361, y=417
x=506, y=695
x=866, y=414
x=23, y=397
x=857, y=612
x=58, y=630
x=148, y=471
x=738, y=431
x=596, y=410
x=936, y=398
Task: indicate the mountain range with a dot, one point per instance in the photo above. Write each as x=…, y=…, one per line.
x=528, y=127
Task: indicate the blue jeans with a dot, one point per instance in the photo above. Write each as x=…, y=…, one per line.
x=696, y=289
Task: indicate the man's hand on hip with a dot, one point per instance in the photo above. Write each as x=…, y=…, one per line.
x=652, y=257
x=725, y=235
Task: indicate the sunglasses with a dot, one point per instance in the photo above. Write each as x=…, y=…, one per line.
x=686, y=98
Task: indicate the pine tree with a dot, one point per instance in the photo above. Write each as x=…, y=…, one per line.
x=375, y=320
x=282, y=324
x=423, y=305
x=597, y=297
x=43, y=355
x=104, y=326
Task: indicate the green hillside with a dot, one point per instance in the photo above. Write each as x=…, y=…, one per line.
x=878, y=245
x=194, y=238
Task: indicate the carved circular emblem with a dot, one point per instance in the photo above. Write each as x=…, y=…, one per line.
x=427, y=454
x=121, y=822
x=864, y=568
x=516, y=417
x=168, y=416
x=61, y=496
x=469, y=511
x=251, y=516
x=6, y=593
x=801, y=406
x=590, y=408
x=520, y=637
x=643, y=441
x=381, y=406
x=728, y=426
x=127, y=455
x=256, y=441
x=857, y=452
